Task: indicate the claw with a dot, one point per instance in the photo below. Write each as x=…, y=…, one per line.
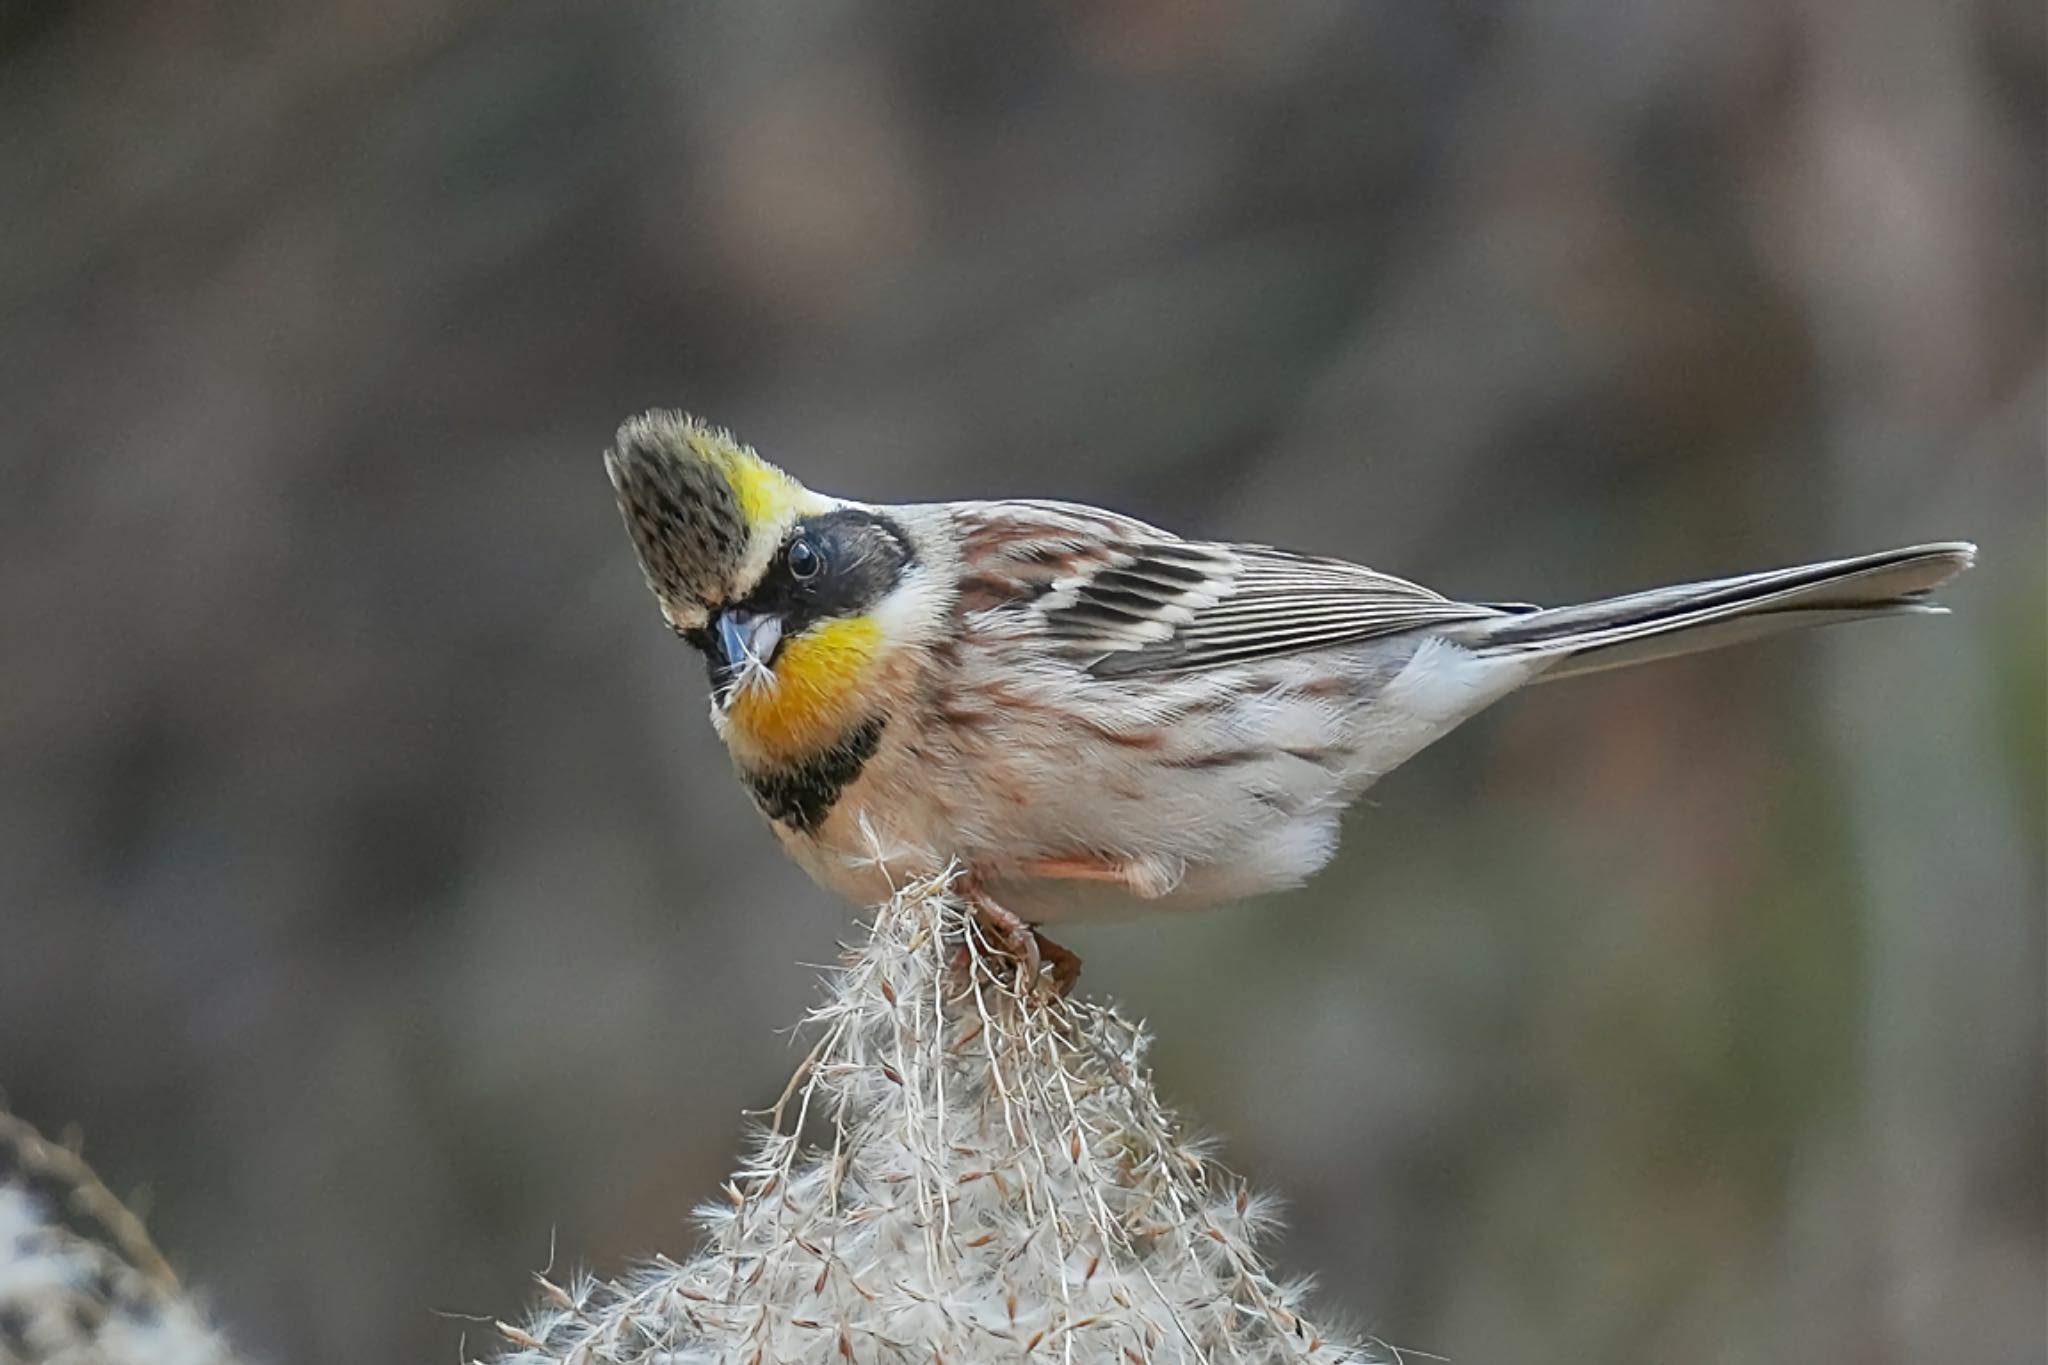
x=1064, y=961
x=1032, y=950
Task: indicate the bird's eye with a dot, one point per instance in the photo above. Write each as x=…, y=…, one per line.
x=805, y=562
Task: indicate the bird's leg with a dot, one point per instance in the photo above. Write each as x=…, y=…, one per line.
x=1007, y=932
x=1032, y=950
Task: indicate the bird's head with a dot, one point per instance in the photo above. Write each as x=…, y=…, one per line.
x=796, y=599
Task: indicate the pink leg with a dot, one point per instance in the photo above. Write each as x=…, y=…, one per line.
x=1032, y=950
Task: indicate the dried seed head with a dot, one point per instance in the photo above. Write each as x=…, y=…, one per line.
x=996, y=1174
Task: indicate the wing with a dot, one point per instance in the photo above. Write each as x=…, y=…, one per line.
x=1123, y=598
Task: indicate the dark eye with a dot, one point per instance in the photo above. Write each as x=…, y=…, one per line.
x=805, y=562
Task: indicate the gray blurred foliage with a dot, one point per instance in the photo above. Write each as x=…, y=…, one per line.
x=372, y=888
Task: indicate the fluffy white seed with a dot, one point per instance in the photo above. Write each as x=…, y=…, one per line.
x=957, y=1172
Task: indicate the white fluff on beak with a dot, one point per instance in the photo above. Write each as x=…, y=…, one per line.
x=748, y=641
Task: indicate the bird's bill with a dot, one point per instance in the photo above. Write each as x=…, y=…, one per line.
x=742, y=646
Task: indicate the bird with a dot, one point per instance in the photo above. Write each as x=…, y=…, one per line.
x=1074, y=715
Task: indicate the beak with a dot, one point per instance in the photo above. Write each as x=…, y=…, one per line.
x=741, y=648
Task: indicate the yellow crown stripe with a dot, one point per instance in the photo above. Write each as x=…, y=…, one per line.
x=767, y=496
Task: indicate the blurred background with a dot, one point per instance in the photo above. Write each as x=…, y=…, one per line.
x=375, y=898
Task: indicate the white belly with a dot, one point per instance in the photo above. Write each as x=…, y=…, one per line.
x=1240, y=791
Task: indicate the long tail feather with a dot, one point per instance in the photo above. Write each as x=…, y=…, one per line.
x=1663, y=622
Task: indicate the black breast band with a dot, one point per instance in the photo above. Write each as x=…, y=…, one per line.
x=801, y=794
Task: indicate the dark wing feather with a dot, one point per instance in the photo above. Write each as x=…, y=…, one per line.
x=1123, y=598
x=1173, y=606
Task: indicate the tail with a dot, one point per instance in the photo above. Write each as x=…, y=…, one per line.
x=1665, y=622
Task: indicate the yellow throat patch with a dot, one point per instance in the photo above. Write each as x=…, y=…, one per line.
x=816, y=697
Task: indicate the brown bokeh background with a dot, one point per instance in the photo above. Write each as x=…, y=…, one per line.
x=373, y=891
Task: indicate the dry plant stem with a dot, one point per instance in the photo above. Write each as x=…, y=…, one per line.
x=967, y=1166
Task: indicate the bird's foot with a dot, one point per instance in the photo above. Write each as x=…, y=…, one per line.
x=1032, y=951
